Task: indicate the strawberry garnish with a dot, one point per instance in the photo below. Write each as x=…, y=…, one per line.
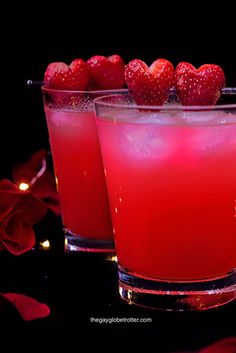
x=149, y=85
x=106, y=73
x=75, y=76
x=199, y=86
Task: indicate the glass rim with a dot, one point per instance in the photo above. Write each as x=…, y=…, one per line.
x=100, y=101
x=102, y=91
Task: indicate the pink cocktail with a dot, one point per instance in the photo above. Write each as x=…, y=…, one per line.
x=171, y=177
x=79, y=169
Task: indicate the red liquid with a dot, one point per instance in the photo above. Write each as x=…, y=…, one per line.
x=79, y=170
x=172, y=192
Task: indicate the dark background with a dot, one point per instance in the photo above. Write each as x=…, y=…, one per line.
x=33, y=35
x=36, y=34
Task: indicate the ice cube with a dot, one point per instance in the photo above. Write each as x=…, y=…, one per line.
x=201, y=117
x=211, y=139
x=143, y=142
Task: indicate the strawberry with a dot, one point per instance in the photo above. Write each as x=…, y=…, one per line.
x=199, y=86
x=106, y=73
x=149, y=85
x=75, y=76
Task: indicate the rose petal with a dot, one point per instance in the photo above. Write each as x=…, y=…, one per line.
x=18, y=237
x=226, y=345
x=20, y=210
x=7, y=185
x=9, y=195
x=26, y=171
x=35, y=161
x=33, y=209
x=11, y=198
x=44, y=187
x=29, y=308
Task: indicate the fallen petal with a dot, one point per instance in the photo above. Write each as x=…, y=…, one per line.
x=226, y=345
x=29, y=308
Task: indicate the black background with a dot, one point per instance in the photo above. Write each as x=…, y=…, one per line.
x=33, y=35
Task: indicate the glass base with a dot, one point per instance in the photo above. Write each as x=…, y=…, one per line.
x=75, y=242
x=177, y=296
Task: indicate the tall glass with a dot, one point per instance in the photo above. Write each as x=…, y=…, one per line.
x=78, y=169
x=171, y=178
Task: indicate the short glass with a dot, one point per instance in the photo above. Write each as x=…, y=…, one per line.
x=78, y=169
x=171, y=178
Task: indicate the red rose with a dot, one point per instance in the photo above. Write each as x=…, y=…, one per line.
x=19, y=211
x=39, y=178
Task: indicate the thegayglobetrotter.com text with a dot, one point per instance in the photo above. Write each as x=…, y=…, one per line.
x=120, y=320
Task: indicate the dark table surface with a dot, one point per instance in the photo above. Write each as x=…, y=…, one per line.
x=78, y=287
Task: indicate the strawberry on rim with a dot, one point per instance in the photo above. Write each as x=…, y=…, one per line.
x=200, y=86
x=59, y=75
x=98, y=73
x=106, y=73
x=149, y=85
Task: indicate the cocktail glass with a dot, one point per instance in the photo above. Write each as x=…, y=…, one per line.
x=78, y=169
x=171, y=179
